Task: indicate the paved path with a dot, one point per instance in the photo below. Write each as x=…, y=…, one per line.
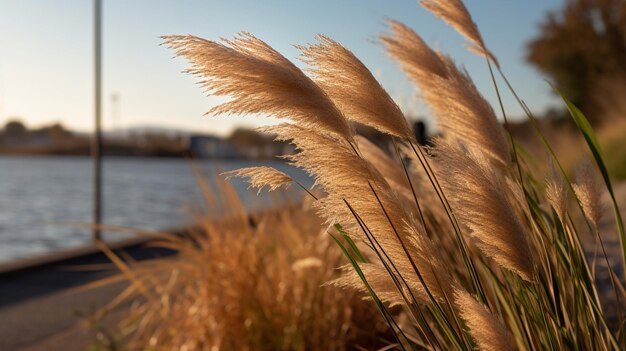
x=608, y=231
x=37, y=322
x=41, y=300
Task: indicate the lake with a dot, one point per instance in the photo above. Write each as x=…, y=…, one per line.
x=40, y=195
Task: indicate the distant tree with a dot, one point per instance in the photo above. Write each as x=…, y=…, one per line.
x=580, y=45
x=15, y=129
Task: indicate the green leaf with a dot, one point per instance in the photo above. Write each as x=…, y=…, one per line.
x=592, y=141
x=390, y=321
x=351, y=243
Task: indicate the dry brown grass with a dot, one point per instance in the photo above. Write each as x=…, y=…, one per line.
x=241, y=285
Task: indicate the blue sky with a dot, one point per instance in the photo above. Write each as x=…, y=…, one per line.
x=46, y=58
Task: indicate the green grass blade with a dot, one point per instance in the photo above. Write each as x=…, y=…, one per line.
x=395, y=329
x=351, y=243
x=592, y=141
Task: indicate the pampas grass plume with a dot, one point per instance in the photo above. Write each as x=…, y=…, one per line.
x=379, y=280
x=589, y=190
x=462, y=112
x=488, y=331
x=557, y=192
x=325, y=159
x=260, y=177
x=389, y=168
x=456, y=15
x=258, y=80
x=353, y=88
x=416, y=58
x=479, y=199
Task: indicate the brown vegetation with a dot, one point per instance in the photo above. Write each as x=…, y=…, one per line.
x=459, y=246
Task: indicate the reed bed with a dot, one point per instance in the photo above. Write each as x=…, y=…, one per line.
x=459, y=246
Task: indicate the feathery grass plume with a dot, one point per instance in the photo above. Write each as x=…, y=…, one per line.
x=408, y=49
x=390, y=169
x=478, y=196
x=462, y=112
x=424, y=188
x=306, y=264
x=589, y=190
x=424, y=254
x=488, y=331
x=353, y=88
x=396, y=177
x=258, y=80
x=345, y=176
x=455, y=14
x=516, y=193
x=557, y=192
x=378, y=278
x=259, y=177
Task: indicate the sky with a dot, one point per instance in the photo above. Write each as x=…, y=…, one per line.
x=46, y=54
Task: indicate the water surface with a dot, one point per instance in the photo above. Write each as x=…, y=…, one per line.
x=36, y=193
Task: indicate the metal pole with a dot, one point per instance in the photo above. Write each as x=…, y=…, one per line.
x=96, y=140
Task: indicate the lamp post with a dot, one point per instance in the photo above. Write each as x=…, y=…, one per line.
x=96, y=140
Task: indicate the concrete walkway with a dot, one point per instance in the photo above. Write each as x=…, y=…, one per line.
x=36, y=323
x=41, y=301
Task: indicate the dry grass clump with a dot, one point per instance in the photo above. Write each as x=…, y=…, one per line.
x=456, y=237
x=234, y=285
